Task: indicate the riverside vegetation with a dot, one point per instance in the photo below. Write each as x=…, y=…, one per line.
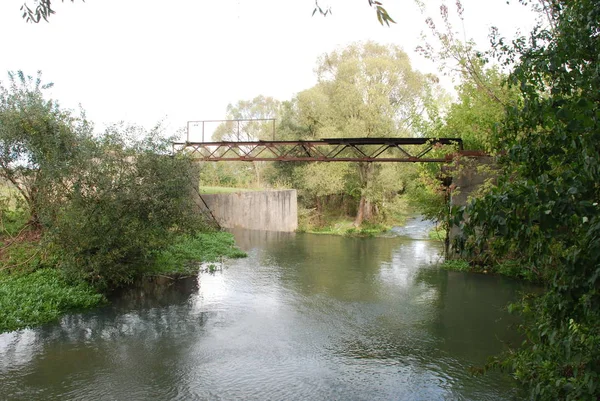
x=82, y=214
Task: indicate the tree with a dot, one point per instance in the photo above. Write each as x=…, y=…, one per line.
x=41, y=144
x=477, y=115
x=104, y=204
x=259, y=108
x=545, y=211
x=365, y=90
x=129, y=202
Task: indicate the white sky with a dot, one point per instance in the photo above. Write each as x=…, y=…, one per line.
x=142, y=61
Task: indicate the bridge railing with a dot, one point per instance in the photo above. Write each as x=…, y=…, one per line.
x=233, y=130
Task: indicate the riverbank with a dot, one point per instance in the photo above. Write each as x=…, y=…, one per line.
x=512, y=269
x=346, y=227
x=33, y=291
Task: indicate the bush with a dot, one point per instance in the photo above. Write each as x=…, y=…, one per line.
x=128, y=203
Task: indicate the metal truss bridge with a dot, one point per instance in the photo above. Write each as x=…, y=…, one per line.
x=325, y=150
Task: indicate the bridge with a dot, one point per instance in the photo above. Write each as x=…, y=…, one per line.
x=324, y=150
x=388, y=149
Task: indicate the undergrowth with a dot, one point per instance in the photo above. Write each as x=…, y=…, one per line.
x=32, y=299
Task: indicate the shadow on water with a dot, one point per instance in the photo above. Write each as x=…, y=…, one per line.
x=303, y=317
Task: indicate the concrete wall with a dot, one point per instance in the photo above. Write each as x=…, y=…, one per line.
x=471, y=173
x=264, y=210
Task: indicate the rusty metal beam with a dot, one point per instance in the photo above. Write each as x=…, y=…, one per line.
x=324, y=150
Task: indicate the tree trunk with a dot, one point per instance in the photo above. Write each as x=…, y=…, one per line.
x=319, y=209
x=360, y=212
x=365, y=207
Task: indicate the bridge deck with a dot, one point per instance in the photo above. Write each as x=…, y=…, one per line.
x=324, y=150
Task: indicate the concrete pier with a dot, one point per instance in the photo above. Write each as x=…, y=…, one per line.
x=255, y=210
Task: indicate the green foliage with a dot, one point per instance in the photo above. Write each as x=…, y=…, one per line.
x=13, y=217
x=27, y=300
x=128, y=203
x=544, y=212
x=186, y=251
x=457, y=265
x=364, y=90
x=41, y=144
x=438, y=233
x=480, y=110
x=227, y=174
x=43, y=10
x=507, y=268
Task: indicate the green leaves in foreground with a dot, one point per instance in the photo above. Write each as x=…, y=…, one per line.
x=202, y=247
x=40, y=297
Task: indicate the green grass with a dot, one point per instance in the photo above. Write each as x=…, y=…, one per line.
x=508, y=268
x=457, y=265
x=437, y=233
x=32, y=299
x=223, y=190
x=346, y=228
x=183, y=256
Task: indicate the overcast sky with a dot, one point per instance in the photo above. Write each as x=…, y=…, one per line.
x=147, y=60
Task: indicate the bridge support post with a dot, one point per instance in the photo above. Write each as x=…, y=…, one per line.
x=470, y=175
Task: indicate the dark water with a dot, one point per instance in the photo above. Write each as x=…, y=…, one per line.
x=304, y=317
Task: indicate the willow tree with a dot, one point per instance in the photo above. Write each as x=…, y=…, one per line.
x=41, y=144
x=366, y=90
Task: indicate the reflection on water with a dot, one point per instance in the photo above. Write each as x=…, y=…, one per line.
x=303, y=317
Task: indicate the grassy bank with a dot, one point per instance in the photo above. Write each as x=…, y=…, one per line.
x=189, y=252
x=33, y=291
x=222, y=190
x=333, y=222
x=509, y=268
x=346, y=228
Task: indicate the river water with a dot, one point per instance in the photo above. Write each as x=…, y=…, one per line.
x=304, y=317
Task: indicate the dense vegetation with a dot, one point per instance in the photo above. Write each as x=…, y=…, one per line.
x=83, y=213
x=544, y=215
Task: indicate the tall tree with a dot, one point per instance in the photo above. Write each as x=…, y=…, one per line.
x=365, y=90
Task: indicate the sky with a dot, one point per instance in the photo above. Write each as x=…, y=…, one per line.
x=144, y=61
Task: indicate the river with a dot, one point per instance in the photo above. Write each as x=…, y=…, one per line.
x=304, y=317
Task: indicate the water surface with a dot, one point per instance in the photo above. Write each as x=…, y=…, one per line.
x=304, y=317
